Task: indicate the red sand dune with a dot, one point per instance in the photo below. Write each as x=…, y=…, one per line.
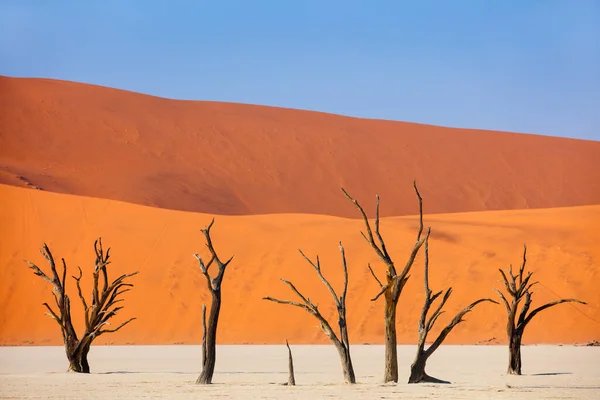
x=466, y=251
x=242, y=159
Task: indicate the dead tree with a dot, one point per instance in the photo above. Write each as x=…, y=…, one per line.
x=417, y=369
x=291, y=379
x=209, y=337
x=519, y=289
x=105, y=296
x=341, y=343
x=394, y=281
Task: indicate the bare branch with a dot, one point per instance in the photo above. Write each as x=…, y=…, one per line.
x=37, y=271
x=289, y=302
x=345, y=267
x=115, y=329
x=503, y=300
x=438, y=310
x=317, y=267
x=411, y=258
x=455, y=321
x=420, y=210
x=546, y=306
x=82, y=298
x=382, y=291
x=522, y=269
x=52, y=314
x=374, y=276
x=297, y=292
x=369, y=236
x=378, y=232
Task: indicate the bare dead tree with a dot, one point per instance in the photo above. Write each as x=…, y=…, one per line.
x=519, y=288
x=209, y=337
x=291, y=379
x=341, y=343
x=417, y=369
x=394, y=281
x=105, y=295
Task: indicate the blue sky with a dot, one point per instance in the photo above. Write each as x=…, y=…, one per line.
x=517, y=65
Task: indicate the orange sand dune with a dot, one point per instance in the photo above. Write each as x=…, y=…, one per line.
x=466, y=251
x=242, y=159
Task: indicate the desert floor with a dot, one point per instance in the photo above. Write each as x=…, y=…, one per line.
x=252, y=371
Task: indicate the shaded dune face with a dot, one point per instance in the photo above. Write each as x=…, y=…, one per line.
x=466, y=250
x=239, y=159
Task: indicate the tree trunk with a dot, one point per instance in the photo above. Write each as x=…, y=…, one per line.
x=514, y=354
x=291, y=379
x=417, y=370
x=418, y=374
x=78, y=361
x=347, y=367
x=391, y=348
x=208, y=367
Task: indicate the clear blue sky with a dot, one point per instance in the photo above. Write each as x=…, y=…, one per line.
x=518, y=65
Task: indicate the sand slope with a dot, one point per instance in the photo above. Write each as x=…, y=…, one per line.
x=466, y=250
x=242, y=159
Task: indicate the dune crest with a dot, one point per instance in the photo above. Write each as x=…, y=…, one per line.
x=237, y=159
x=466, y=251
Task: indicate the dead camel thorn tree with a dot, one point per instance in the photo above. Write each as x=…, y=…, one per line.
x=105, y=296
x=209, y=335
x=417, y=369
x=394, y=281
x=341, y=343
x=519, y=289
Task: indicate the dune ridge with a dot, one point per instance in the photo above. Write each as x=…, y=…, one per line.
x=238, y=159
x=466, y=250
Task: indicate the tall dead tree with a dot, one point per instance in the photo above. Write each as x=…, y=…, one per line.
x=209, y=337
x=417, y=369
x=105, y=295
x=341, y=343
x=394, y=281
x=519, y=289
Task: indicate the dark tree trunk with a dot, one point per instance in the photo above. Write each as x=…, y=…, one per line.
x=391, y=348
x=514, y=354
x=78, y=361
x=208, y=367
x=347, y=368
x=418, y=374
x=417, y=371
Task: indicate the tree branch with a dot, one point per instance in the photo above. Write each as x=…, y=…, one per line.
x=317, y=267
x=455, y=321
x=546, y=306
x=503, y=300
x=374, y=276
x=116, y=329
